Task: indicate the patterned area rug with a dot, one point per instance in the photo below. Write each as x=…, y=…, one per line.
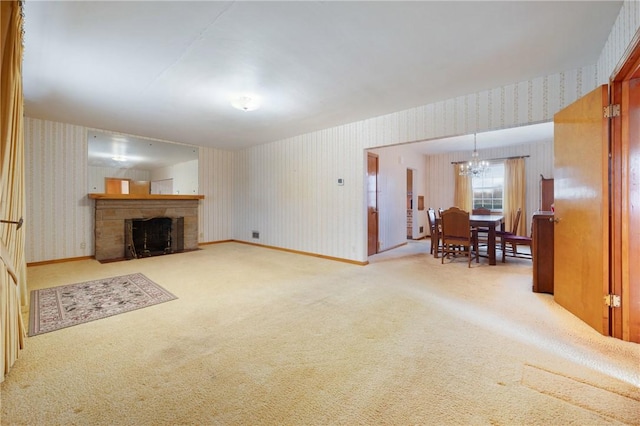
x=64, y=306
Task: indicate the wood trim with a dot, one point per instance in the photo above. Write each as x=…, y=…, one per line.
x=629, y=62
x=68, y=259
x=625, y=152
x=618, y=207
x=306, y=253
x=210, y=243
x=337, y=259
x=96, y=196
x=625, y=157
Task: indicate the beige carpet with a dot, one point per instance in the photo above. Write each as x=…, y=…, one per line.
x=264, y=337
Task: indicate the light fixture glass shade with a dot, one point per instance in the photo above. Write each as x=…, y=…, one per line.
x=475, y=167
x=246, y=103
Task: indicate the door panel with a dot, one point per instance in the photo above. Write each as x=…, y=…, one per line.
x=140, y=187
x=629, y=289
x=116, y=186
x=581, y=244
x=372, y=203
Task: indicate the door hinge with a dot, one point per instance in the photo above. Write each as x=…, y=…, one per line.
x=611, y=111
x=612, y=300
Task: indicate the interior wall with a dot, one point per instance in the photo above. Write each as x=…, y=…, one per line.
x=216, y=182
x=288, y=192
x=59, y=215
x=59, y=218
x=622, y=33
x=184, y=175
x=287, y=189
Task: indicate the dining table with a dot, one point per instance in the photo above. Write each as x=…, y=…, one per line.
x=488, y=221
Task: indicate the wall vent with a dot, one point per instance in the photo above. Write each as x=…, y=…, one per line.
x=255, y=234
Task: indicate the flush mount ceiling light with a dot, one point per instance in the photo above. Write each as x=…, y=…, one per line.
x=119, y=158
x=246, y=103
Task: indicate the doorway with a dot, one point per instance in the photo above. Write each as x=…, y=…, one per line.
x=624, y=92
x=372, y=203
x=409, y=204
x=608, y=116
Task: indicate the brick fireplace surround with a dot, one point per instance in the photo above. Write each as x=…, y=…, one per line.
x=112, y=209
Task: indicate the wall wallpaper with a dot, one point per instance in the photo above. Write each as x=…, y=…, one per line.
x=215, y=217
x=622, y=33
x=287, y=190
x=59, y=221
x=60, y=217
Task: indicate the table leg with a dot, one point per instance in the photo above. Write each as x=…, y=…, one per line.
x=491, y=247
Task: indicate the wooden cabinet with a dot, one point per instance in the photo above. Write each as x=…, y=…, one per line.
x=542, y=252
x=546, y=194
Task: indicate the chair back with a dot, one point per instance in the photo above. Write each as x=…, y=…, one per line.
x=516, y=221
x=431, y=217
x=455, y=225
x=481, y=210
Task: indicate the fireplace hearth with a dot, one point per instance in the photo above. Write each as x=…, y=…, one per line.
x=153, y=236
x=174, y=217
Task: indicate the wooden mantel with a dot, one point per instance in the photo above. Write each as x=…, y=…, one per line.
x=96, y=196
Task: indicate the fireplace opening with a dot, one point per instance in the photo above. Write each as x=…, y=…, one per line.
x=153, y=236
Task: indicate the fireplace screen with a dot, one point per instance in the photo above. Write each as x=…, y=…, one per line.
x=153, y=236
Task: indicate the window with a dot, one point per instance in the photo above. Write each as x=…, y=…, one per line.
x=488, y=189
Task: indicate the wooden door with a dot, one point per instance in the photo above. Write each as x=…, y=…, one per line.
x=628, y=321
x=625, y=206
x=581, y=233
x=372, y=203
x=116, y=185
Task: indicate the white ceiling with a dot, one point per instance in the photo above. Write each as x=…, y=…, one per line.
x=486, y=140
x=167, y=70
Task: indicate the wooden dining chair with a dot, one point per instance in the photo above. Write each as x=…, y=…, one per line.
x=434, y=231
x=458, y=237
x=483, y=233
x=515, y=222
x=510, y=243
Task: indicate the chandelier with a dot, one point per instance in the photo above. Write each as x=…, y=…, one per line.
x=474, y=167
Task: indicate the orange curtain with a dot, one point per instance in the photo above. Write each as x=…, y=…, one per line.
x=463, y=191
x=13, y=287
x=515, y=193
